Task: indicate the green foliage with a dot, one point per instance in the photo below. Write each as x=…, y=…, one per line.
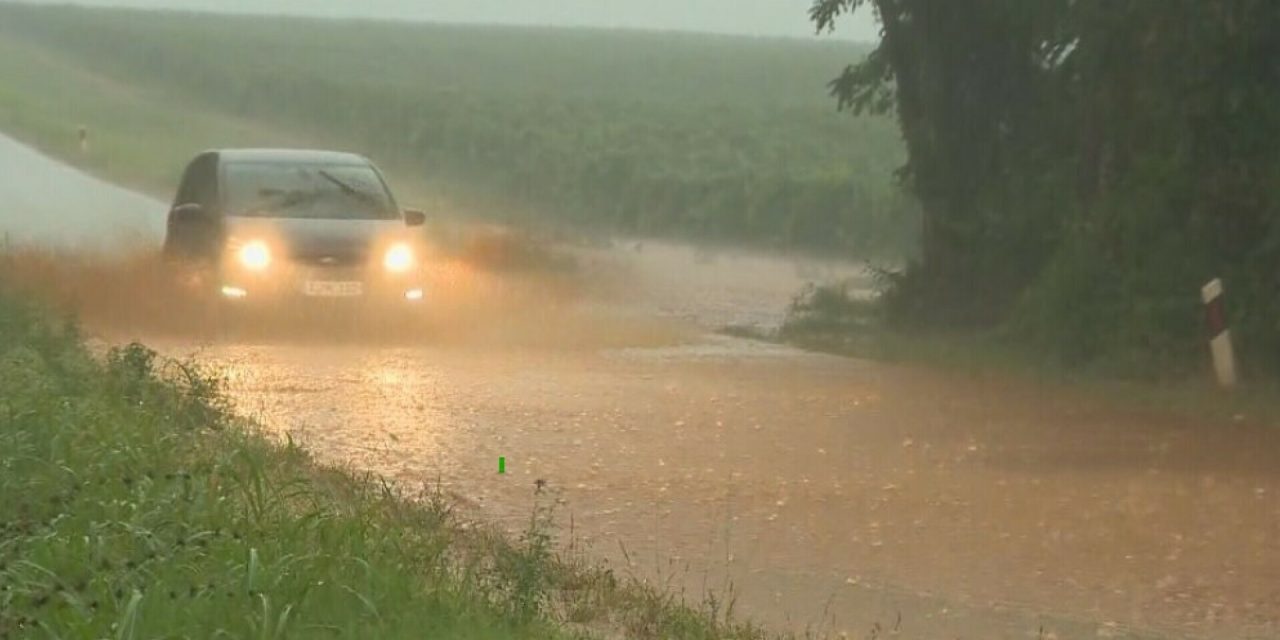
x=717, y=138
x=827, y=311
x=1084, y=167
x=524, y=565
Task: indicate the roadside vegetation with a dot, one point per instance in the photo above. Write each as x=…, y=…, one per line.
x=1083, y=170
x=717, y=139
x=135, y=504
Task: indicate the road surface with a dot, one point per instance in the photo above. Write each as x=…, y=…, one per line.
x=46, y=203
x=832, y=494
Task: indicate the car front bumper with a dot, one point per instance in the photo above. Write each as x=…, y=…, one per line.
x=321, y=285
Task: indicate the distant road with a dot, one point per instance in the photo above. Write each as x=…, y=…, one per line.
x=47, y=203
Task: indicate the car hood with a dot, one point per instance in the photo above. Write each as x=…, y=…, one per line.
x=305, y=239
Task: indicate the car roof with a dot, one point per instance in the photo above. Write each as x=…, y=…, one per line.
x=289, y=156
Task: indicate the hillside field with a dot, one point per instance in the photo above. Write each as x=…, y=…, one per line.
x=714, y=138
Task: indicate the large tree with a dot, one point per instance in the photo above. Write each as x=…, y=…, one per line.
x=964, y=79
x=1084, y=165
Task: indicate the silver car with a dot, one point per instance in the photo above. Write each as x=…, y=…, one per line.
x=273, y=225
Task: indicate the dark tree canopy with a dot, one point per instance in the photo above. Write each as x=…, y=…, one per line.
x=1084, y=165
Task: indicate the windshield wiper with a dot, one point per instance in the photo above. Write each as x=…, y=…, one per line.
x=298, y=198
x=350, y=190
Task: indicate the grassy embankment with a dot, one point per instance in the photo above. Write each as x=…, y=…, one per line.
x=134, y=504
x=719, y=139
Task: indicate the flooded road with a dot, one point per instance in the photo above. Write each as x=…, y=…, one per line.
x=829, y=493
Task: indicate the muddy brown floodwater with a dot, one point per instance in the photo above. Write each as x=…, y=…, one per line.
x=832, y=494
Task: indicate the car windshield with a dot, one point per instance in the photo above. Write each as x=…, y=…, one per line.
x=321, y=191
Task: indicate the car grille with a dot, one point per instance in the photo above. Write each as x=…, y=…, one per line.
x=330, y=260
x=333, y=273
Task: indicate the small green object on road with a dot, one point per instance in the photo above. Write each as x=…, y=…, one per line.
x=502, y=464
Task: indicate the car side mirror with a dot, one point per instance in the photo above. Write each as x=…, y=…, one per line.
x=414, y=218
x=190, y=213
x=190, y=232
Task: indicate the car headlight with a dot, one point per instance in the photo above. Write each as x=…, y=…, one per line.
x=255, y=255
x=399, y=258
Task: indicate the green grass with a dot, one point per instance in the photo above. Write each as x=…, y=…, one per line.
x=139, y=137
x=135, y=504
x=718, y=138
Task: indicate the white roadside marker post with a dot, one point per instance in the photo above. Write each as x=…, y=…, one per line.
x=1224, y=359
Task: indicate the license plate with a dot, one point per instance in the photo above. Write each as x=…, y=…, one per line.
x=324, y=289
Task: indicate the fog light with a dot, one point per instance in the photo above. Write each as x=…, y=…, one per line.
x=413, y=294
x=234, y=292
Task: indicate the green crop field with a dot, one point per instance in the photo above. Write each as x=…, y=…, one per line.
x=709, y=137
